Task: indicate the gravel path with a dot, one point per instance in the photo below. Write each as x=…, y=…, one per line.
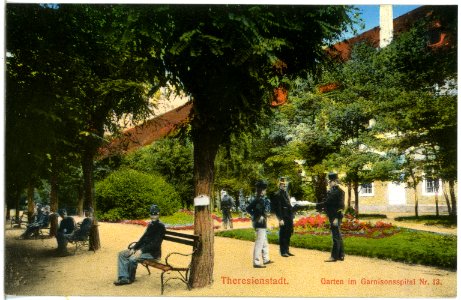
x=32, y=269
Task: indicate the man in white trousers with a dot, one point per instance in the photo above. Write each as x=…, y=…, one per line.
x=259, y=208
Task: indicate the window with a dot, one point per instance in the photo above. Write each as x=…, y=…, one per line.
x=366, y=189
x=430, y=186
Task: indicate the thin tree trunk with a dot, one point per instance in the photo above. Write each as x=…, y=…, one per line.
x=356, y=197
x=205, y=149
x=447, y=201
x=416, y=201
x=349, y=195
x=81, y=200
x=320, y=187
x=88, y=192
x=54, y=196
x=451, y=184
x=30, y=202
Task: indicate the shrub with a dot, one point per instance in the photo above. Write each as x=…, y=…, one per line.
x=128, y=194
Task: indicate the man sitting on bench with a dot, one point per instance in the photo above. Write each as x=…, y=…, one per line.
x=66, y=227
x=83, y=231
x=43, y=222
x=80, y=234
x=148, y=247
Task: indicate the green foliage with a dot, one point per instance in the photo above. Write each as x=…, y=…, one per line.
x=172, y=159
x=128, y=194
x=406, y=246
x=179, y=218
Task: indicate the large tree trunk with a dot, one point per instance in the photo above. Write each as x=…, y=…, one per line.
x=205, y=149
x=88, y=192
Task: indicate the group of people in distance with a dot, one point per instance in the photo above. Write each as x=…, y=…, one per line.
x=260, y=209
x=68, y=230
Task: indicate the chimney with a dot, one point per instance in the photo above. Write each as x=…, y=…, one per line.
x=386, y=25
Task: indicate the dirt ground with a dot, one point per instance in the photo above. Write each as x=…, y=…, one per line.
x=32, y=269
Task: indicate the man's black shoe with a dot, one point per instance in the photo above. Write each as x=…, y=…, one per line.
x=290, y=254
x=285, y=255
x=122, y=281
x=331, y=259
x=259, y=266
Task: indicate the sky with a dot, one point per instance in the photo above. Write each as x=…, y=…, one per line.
x=370, y=14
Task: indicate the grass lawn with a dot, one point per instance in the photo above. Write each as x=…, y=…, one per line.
x=407, y=246
x=446, y=221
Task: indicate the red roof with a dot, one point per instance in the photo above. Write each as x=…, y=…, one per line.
x=148, y=132
x=342, y=50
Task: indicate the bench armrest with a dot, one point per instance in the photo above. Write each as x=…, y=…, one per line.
x=176, y=253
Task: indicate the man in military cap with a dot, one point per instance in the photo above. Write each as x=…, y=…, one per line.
x=227, y=202
x=148, y=247
x=66, y=226
x=42, y=222
x=334, y=207
x=285, y=214
x=259, y=209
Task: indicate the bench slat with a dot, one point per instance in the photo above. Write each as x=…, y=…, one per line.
x=184, y=235
x=179, y=240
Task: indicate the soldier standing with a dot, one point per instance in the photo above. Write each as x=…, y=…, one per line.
x=226, y=206
x=285, y=215
x=259, y=209
x=334, y=206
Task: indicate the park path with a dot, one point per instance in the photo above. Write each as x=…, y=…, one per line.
x=31, y=269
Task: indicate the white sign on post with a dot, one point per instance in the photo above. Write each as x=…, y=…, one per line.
x=201, y=200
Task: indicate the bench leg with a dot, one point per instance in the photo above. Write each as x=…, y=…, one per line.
x=162, y=287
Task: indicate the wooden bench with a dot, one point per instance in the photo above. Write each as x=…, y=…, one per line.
x=17, y=222
x=181, y=272
x=82, y=242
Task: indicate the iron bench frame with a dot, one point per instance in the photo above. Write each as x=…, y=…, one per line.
x=182, y=272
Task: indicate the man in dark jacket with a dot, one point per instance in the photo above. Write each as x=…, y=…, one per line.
x=148, y=247
x=42, y=222
x=285, y=214
x=334, y=207
x=227, y=202
x=66, y=226
x=259, y=209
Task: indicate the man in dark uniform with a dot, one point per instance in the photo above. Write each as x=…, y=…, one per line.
x=149, y=246
x=334, y=207
x=285, y=214
x=227, y=202
x=66, y=226
x=42, y=222
x=259, y=209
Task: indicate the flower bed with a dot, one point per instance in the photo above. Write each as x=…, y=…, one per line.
x=319, y=225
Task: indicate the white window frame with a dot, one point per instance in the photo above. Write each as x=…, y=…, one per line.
x=425, y=191
x=367, y=194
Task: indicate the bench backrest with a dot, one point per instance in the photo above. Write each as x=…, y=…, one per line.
x=182, y=238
